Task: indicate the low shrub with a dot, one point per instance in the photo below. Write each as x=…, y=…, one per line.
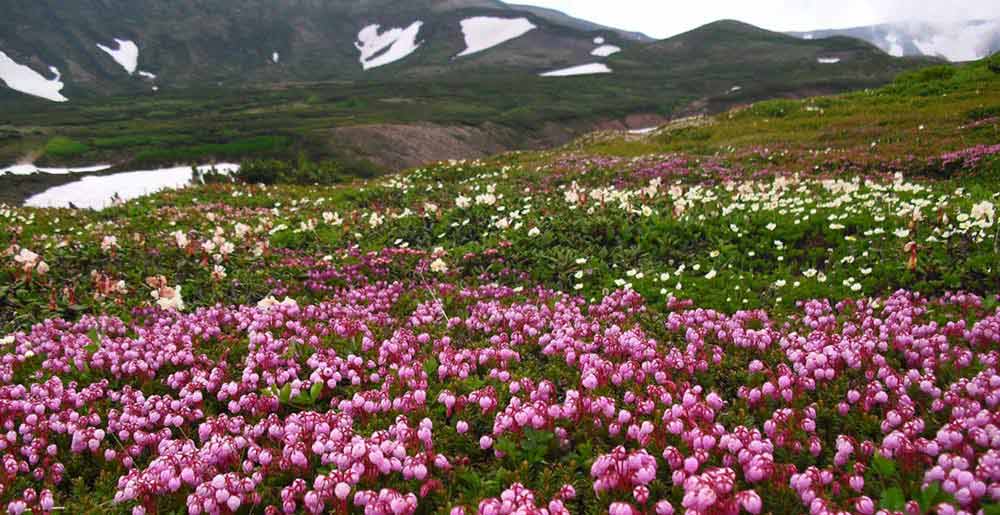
x=61, y=147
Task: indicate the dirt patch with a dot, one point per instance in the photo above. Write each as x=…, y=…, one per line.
x=400, y=146
x=397, y=147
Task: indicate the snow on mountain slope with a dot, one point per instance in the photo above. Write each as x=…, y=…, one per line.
x=606, y=50
x=484, y=32
x=583, y=69
x=381, y=48
x=22, y=78
x=127, y=54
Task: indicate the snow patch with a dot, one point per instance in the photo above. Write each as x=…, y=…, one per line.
x=21, y=78
x=828, y=60
x=734, y=89
x=647, y=130
x=30, y=169
x=895, y=49
x=483, y=32
x=381, y=48
x=99, y=191
x=598, y=40
x=606, y=50
x=583, y=69
x=808, y=36
x=147, y=75
x=127, y=54
x=275, y=57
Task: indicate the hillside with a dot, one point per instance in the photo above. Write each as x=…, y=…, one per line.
x=789, y=307
x=233, y=43
x=466, y=106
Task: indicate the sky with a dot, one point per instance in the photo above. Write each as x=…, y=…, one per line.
x=665, y=18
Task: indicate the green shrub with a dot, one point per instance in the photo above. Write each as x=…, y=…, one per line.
x=259, y=145
x=926, y=75
x=61, y=147
x=276, y=171
x=982, y=113
x=993, y=63
x=774, y=108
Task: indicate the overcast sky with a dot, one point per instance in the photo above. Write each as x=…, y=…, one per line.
x=664, y=18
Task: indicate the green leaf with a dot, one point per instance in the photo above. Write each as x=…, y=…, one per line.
x=431, y=367
x=892, y=499
x=992, y=509
x=506, y=446
x=95, y=342
x=285, y=393
x=315, y=391
x=883, y=466
x=928, y=496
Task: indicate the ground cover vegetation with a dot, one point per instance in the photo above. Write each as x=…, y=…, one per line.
x=789, y=308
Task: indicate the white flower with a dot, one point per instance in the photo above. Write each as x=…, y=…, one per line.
x=810, y=273
x=218, y=272
x=181, y=239
x=534, y=232
x=711, y=274
x=486, y=199
x=463, y=202
x=109, y=243
x=984, y=212
x=269, y=302
x=169, y=298
x=901, y=233
x=26, y=257
x=439, y=266
x=772, y=226
x=242, y=229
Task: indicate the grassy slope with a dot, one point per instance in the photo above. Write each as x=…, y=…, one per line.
x=915, y=116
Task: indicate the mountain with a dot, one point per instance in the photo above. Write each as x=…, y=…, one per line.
x=561, y=18
x=396, y=83
x=730, y=62
x=235, y=42
x=963, y=41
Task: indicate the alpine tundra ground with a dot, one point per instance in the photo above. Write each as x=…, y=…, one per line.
x=790, y=308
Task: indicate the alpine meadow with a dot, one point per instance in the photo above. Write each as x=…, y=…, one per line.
x=467, y=257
